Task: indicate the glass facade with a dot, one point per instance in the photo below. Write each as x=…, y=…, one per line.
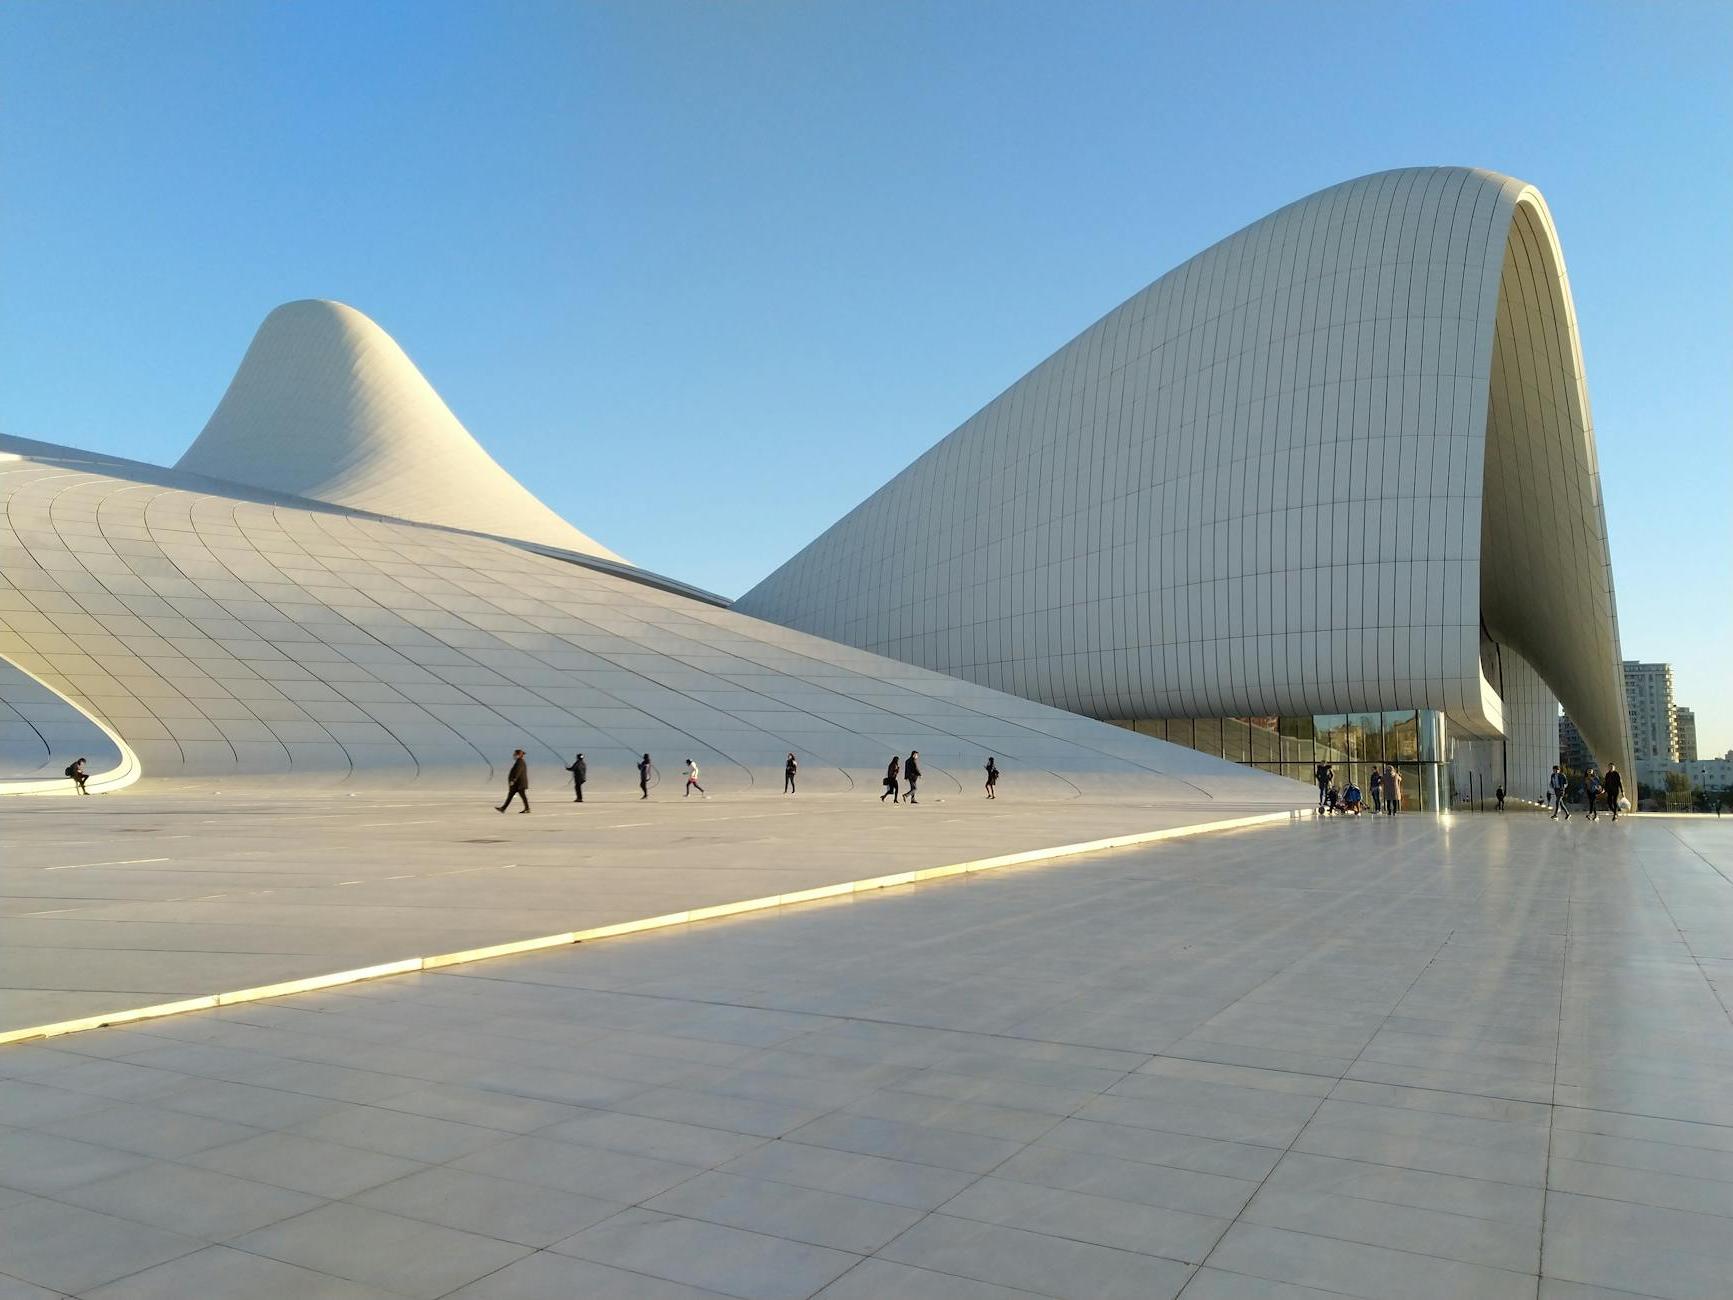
x=1414, y=742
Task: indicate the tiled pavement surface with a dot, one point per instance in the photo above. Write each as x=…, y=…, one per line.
x=1482, y=1058
x=170, y=890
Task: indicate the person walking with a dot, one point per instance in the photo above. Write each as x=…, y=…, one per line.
x=789, y=768
x=645, y=767
x=1392, y=791
x=1592, y=793
x=692, y=781
x=893, y=776
x=1556, y=785
x=1499, y=795
x=517, y=781
x=1377, y=784
x=79, y=774
x=912, y=773
x=1614, y=786
x=992, y=778
x=1322, y=774
x=580, y=771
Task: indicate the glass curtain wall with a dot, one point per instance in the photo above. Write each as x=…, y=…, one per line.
x=1412, y=742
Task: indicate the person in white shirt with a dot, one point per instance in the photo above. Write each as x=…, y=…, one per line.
x=692, y=780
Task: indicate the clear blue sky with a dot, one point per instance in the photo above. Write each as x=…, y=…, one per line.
x=704, y=275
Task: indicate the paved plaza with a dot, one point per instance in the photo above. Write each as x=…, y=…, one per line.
x=1477, y=1057
x=169, y=892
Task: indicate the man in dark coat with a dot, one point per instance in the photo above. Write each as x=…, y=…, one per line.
x=1614, y=785
x=912, y=773
x=517, y=781
x=580, y=771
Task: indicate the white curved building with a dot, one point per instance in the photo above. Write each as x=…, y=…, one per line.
x=1327, y=490
x=326, y=405
x=170, y=623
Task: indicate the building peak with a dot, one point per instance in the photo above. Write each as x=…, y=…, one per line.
x=326, y=405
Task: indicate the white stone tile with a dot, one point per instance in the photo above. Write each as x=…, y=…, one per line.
x=408, y=1256
x=662, y=1139
x=783, y=1210
x=1217, y=1284
x=708, y=1255
x=874, y=1178
x=588, y=1171
x=40, y=1162
x=194, y=1202
x=549, y=1276
x=915, y=1143
x=304, y=1164
x=68, y=1249
x=525, y=1213
x=872, y=1279
x=220, y=1271
x=149, y=1130
x=1051, y=1266
x=1128, y=1180
x=1079, y=1216
x=397, y=1133
x=1351, y=1268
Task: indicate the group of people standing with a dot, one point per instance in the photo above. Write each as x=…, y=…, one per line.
x=517, y=781
x=1385, y=783
x=1596, y=787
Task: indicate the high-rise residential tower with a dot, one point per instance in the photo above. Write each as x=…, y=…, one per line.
x=1685, y=733
x=1654, y=724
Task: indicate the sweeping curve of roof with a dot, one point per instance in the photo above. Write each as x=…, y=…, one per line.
x=327, y=406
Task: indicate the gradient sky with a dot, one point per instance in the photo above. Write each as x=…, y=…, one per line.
x=704, y=275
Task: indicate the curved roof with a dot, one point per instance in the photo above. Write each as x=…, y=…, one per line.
x=214, y=633
x=326, y=405
x=1318, y=467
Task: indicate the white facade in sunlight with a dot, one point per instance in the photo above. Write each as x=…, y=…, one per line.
x=326, y=405
x=216, y=631
x=1342, y=460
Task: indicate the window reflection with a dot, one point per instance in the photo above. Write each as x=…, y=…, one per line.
x=1356, y=744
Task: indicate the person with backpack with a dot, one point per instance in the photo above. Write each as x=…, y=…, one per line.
x=1556, y=786
x=789, y=768
x=1592, y=793
x=76, y=770
x=692, y=781
x=580, y=771
x=1614, y=786
x=517, y=782
x=893, y=775
x=992, y=778
x=912, y=773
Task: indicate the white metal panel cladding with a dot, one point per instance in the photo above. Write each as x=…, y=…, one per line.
x=222, y=632
x=1254, y=488
x=326, y=405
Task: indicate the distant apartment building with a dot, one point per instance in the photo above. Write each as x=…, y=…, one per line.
x=1654, y=733
x=1574, y=754
x=1685, y=733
